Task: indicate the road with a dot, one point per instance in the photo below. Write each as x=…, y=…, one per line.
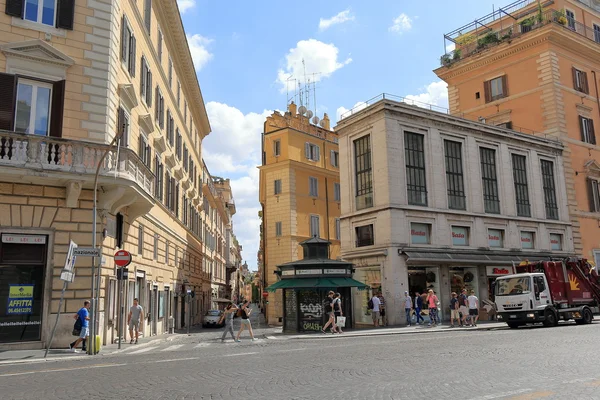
x=529, y=363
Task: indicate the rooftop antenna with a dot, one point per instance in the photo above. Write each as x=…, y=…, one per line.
x=307, y=91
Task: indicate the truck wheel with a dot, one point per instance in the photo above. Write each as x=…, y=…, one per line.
x=587, y=316
x=550, y=318
x=513, y=325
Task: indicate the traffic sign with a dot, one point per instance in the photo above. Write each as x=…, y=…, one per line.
x=86, y=252
x=122, y=258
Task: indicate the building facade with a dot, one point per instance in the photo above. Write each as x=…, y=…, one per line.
x=533, y=66
x=431, y=201
x=74, y=78
x=299, y=192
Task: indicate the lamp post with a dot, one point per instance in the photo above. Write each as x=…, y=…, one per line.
x=96, y=281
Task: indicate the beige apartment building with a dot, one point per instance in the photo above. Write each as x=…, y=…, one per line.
x=72, y=79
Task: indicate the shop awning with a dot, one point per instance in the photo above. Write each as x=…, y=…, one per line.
x=416, y=257
x=318, y=283
x=222, y=300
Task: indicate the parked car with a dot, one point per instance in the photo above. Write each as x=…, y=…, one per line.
x=212, y=318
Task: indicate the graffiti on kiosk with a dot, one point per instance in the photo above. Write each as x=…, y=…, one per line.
x=311, y=326
x=311, y=310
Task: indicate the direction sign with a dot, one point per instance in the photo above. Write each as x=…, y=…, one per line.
x=86, y=252
x=122, y=258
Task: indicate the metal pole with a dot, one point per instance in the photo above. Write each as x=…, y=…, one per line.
x=120, y=314
x=62, y=296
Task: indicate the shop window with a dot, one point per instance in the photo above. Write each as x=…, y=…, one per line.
x=495, y=238
x=420, y=233
x=580, y=82
x=489, y=178
x=416, y=183
x=521, y=188
x=364, y=235
x=454, y=175
x=363, y=177
x=495, y=89
x=549, y=189
x=586, y=127
x=556, y=241
x=460, y=236
x=527, y=240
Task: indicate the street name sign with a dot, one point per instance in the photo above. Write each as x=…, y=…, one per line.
x=86, y=252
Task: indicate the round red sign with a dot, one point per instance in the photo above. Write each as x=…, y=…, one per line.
x=122, y=258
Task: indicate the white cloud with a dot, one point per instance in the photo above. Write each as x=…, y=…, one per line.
x=402, y=23
x=436, y=93
x=199, y=50
x=450, y=47
x=319, y=58
x=233, y=150
x=339, y=18
x=185, y=5
x=343, y=110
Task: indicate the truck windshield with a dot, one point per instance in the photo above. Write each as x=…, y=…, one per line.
x=508, y=286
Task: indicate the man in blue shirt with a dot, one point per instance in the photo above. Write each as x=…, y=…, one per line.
x=84, y=315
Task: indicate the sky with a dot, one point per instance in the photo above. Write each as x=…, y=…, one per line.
x=248, y=57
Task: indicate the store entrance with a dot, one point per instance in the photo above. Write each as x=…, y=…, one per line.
x=417, y=280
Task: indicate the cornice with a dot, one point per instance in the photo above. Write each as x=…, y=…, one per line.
x=37, y=50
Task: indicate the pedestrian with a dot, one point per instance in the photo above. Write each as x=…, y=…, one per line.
x=454, y=313
x=375, y=306
x=418, y=306
x=432, y=301
x=245, y=315
x=227, y=316
x=408, y=306
x=473, y=308
x=84, y=316
x=337, y=310
x=382, y=310
x=328, y=310
x=462, y=307
x=136, y=315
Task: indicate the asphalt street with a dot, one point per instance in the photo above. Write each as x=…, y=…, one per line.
x=528, y=363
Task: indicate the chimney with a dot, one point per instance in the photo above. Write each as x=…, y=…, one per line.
x=326, y=122
x=292, y=109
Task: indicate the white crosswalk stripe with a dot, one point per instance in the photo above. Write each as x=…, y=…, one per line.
x=173, y=348
x=201, y=345
x=144, y=350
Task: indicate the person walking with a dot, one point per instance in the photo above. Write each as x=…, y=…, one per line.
x=245, y=315
x=462, y=307
x=382, y=310
x=473, y=308
x=337, y=310
x=454, y=313
x=84, y=315
x=328, y=310
x=227, y=316
x=376, y=307
x=418, y=306
x=432, y=301
x=408, y=306
x=136, y=315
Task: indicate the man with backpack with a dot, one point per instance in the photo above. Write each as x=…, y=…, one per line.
x=82, y=319
x=373, y=305
x=328, y=310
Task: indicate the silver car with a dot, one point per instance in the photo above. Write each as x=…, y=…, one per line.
x=212, y=318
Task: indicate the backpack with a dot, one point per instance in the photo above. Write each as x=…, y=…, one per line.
x=370, y=304
x=461, y=300
x=327, y=305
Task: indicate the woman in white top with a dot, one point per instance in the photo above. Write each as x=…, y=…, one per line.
x=337, y=309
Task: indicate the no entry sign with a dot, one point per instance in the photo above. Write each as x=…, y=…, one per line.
x=122, y=258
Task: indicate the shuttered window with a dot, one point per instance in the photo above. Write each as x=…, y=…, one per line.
x=158, y=179
x=278, y=228
x=148, y=15
x=586, y=127
x=496, y=88
x=127, y=46
x=145, y=82
x=314, y=226
x=145, y=150
x=594, y=195
x=159, y=108
x=277, y=186
x=159, y=45
x=123, y=127
x=313, y=184
x=580, y=81
x=336, y=192
x=311, y=151
x=335, y=158
x=57, y=13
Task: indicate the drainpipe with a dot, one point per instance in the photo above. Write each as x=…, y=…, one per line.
x=326, y=201
x=596, y=87
x=264, y=218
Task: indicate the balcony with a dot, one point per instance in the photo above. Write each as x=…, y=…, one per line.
x=42, y=160
x=505, y=25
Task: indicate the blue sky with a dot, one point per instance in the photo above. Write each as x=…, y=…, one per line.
x=245, y=51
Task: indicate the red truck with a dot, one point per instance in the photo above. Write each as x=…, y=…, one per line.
x=548, y=291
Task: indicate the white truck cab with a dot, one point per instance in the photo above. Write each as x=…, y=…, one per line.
x=524, y=298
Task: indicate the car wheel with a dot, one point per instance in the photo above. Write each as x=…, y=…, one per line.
x=550, y=318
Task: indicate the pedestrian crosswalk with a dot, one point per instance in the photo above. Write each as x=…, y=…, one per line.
x=154, y=347
x=173, y=348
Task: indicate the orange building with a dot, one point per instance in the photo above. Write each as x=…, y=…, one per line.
x=299, y=193
x=532, y=66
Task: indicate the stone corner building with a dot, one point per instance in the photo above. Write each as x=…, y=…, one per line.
x=432, y=201
x=73, y=74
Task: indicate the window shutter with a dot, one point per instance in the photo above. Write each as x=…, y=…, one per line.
x=581, y=128
x=157, y=108
x=65, y=14
x=586, y=88
x=574, y=73
x=332, y=157
x=317, y=155
x=8, y=85
x=58, y=99
x=487, y=90
x=149, y=86
x=307, y=150
x=15, y=8
x=124, y=38
x=591, y=131
x=590, y=185
x=504, y=86
x=141, y=148
x=132, y=56
x=120, y=122
x=148, y=14
x=142, y=76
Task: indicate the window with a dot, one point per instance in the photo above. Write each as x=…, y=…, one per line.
x=44, y=12
x=556, y=241
x=144, y=150
x=158, y=178
x=489, y=178
x=364, y=180
x=170, y=129
x=313, y=184
x=127, y=47
x=178, y=144
x=159, y=45
x=145, y=83
x=527, y=240
x=580, y=82
x=185, y=112
x=454, y=175
x=570, y=19
x=335, y=158
x=338, y=229
x=364, y=236
x=159, y=109
x=170, y=73
x=597, y=33
x=277, y=148
x=148, y=15
x=521, y=189
x=594, y=195
x=33, y=107
x=419, y=233
x=314, y=226
x=178, y=94
x=549, y=189
x=277, y=188
x=586, y=126
x=460, y=236
x=495, y=238
x=185, y=157
x=141, y=240
x=336, y=192
x=416, y=184
x=123, y=127
x=312, y=151
x=155, y=249
x=277, y=228
x=495, y=89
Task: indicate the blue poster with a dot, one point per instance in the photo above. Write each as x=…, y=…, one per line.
x=20, y=300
